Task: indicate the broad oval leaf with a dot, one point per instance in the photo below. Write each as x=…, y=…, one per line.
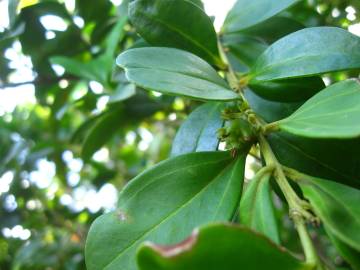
x=337, y=206
x=164, y=204
x=289, y=90
x=175, y=72
x=330, y=159
x=332, y=113
x=257, y=209
x=310, y=51
x=219, y=246
x=245, y=14
x=170, y=23
x=198, y=132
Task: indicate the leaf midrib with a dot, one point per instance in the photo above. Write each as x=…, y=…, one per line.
x=322, y=101
x=167, y=217
x=261, y=72
x=182, y=73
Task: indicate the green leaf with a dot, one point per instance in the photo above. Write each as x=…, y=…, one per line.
x=310, y=51
x=312, y=156
x=245, y=13
x=170, y=23
x=175, y=72
x=289, y=90
x=115, y=36
x=337, y=206
x=330, y=159
x=270, y=111
x=217, y=247
x=274, y=28
x=12, y=11
x=332, y=113
x=104, y=128
x=351, y=255
x=198, y=132
x=96, y=70
x=199, y=3
x=256, y=207
x=164, y=204
x=123, y=92
x=245, y=49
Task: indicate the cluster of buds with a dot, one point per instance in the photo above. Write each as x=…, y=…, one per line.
x=238, y=133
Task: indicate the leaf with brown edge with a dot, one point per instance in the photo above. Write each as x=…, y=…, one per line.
x=219, y=246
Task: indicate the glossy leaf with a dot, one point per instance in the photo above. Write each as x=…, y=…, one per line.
x=175, y=72
x=289, y=90
x=198, y=132
x=256, y=208
x=270, y=111
x=170, y=23
x=330, y=159
x=337, y=206
x=245, y=49
x=312, y=156
x=274, y=29
x=350, y=255
x=332, y=113
x=217, y=247
x=245, y=14
x=308, y=52
x=164, y=204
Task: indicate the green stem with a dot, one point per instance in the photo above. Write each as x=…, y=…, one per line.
x=231, y=75
x=298, y=208
x=271, y=127
x=268, y=169
x=306, y=241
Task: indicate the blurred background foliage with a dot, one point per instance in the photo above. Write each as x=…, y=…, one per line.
x=83, y=131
